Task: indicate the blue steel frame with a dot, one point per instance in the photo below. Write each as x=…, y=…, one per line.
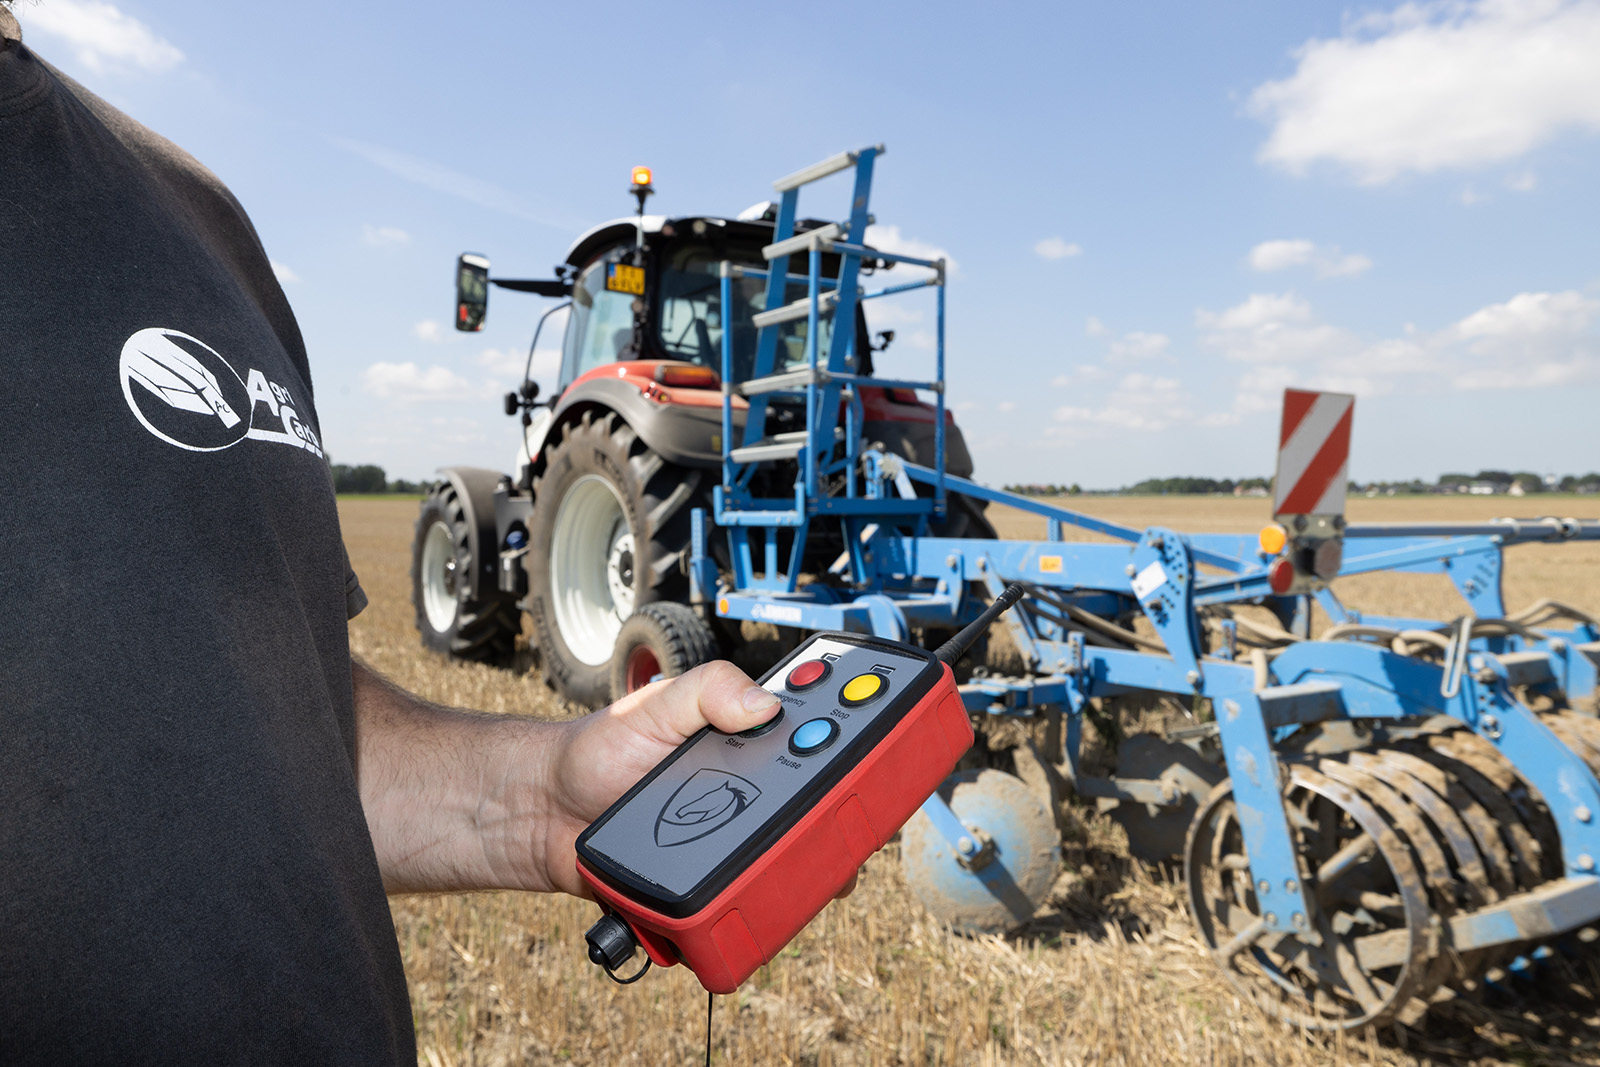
x=894, y=577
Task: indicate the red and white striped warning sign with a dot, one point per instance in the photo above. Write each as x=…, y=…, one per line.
x=1313, y=453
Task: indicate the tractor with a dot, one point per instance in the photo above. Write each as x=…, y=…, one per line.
x=593, y=526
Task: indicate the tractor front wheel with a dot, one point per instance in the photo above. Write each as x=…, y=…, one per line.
x=660, y=640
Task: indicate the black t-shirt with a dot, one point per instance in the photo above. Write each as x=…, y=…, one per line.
x=186, y=875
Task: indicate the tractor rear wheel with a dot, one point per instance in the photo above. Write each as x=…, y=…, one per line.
x=450, y=621
x=660, y=640
x=964, y=517
x=609, y=534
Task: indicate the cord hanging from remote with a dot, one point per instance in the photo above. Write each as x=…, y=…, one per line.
x=711, y=1002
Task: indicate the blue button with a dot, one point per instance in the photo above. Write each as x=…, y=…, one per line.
x=813, y=736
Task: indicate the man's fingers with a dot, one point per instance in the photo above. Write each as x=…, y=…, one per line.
x=718, y=693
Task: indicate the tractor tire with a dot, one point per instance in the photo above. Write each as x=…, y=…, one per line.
x=609, y=534
x=660, y=640
x=483, y=630
x=964, y=517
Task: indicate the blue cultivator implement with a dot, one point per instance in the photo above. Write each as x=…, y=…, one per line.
x=1367, y=820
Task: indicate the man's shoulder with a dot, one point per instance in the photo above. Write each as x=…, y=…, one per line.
x=174, y=165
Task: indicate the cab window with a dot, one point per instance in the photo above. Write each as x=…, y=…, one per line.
x=691, y=318
x=600, y=328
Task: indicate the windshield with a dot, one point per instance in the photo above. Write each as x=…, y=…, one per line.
x=691, y=320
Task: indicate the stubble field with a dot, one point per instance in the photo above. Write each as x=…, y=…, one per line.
x=1110, y=974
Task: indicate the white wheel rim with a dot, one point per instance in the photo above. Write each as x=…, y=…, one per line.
x=439, y=576
x=591, y=569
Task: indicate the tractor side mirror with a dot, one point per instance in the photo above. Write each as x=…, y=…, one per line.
x=472, y=291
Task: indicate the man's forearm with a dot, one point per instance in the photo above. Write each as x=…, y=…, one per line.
x=454, y=800
x=460, y=800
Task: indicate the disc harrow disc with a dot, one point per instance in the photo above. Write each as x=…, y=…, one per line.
x=1157, y=832
x=1006, y=885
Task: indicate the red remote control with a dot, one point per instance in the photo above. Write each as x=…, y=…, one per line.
x=725, y=851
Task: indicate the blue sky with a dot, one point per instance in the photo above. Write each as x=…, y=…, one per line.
x=1160, y=215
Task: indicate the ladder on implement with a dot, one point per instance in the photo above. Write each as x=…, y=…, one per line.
x=830, y=445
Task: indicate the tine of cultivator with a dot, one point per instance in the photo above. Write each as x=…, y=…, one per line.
x=1435, y=868
x=1387, y=765
x=1463, y=769
x=1523, y=822
x=1480, y=824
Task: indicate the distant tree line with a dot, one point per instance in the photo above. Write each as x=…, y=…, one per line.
x=1515, y=483
x=1200, y=486
x=369, y=478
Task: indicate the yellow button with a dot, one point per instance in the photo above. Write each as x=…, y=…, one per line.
x=862, y=688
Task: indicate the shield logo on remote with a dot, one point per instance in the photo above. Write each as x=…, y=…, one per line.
x=704, y=804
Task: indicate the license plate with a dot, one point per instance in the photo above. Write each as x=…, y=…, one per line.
x=621, y=278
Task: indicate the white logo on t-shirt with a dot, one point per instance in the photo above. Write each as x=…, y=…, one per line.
x=189, y=396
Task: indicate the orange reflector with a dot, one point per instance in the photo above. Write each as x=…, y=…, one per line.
x=1272, y=537
x=1280, y=576
x=687, y=376
x=722, y=606
x=641, y=175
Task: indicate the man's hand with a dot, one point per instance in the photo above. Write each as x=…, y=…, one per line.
x=458, y=800
x=602, y=755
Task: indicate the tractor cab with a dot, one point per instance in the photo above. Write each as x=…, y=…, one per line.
x=646, y=310
x=651, y=289
x=648, y=288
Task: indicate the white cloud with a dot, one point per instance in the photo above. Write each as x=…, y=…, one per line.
x=1281, y=255
x=1532, y=340
x=509, y=363
x=284, y=274
x=1328, y=261
x=102, y=37
x=1439, y=85
x=1138, y=345
x=1095, y=328
x=1006, y=407
x=1530, y=315
x=384, y=236
x=1141, y=402
x=428, y=330
x=890, y=239
x=1056, y=248
x=1082, y=374
x=407, y=382
x=1582, y=368
x=1257, y=311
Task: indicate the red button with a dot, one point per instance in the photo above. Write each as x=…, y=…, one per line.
x=808, y=675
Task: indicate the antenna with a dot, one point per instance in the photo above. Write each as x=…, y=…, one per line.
x=957, y=646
